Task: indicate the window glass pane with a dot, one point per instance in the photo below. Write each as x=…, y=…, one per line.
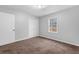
x=52, y=25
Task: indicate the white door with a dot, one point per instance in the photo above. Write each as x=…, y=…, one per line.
x=7, y=26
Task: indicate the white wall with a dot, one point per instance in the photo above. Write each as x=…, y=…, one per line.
x=26, y=26
x=68, y=24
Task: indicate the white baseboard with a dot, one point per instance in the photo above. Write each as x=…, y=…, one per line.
x=17, y=40
x=68, y=42
x=64, y=41
x=5, y=43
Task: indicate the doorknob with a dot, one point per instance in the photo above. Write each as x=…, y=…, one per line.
x=13, y=30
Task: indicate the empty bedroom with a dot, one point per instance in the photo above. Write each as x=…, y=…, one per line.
x=39, y=29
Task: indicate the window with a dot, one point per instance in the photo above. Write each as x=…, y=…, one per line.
x=52, y=25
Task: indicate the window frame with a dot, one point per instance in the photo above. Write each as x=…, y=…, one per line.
x=56, y=20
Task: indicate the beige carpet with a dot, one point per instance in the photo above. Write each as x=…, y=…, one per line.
x=38, y=45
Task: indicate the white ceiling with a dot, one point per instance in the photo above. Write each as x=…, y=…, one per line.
x=33, y=11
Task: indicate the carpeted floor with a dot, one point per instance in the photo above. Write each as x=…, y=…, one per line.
x=38, y=45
